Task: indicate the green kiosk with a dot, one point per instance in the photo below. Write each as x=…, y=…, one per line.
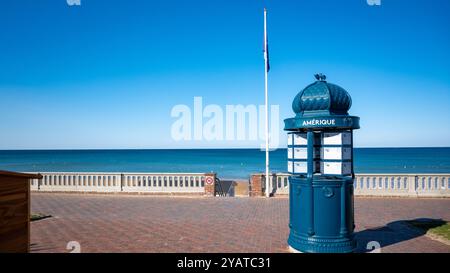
x=320, y=161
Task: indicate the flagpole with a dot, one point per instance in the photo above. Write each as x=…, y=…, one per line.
x=266, y=99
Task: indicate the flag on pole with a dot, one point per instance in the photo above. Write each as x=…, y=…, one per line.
x=267, y=54
x=266, y=51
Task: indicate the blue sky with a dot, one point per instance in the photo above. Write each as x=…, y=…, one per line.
x=106, y=74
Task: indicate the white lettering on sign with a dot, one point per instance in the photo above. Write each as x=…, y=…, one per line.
x=319, y=122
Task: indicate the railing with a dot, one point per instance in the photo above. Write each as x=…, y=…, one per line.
x=423, y=185
x=411, y=185
x=121, y=182
x=279, y=183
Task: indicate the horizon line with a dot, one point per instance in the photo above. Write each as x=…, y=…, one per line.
x=207, y=148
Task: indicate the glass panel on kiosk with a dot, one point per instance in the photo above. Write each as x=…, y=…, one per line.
x=297, y=153
x=337, y=138
x=300, y=139
x=336, y=153
x=336, y=168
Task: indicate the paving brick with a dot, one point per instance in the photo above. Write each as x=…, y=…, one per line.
x=121, y=223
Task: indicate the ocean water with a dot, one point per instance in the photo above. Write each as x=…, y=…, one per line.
x=228, y=163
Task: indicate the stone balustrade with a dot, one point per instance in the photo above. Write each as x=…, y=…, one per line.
x=412, y=185
x=408, y=185
x=165, y=183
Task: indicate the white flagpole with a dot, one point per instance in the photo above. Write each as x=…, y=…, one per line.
x=266, y=98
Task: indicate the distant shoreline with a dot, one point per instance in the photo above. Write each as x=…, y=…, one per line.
x=189, y=149
x=232, y=163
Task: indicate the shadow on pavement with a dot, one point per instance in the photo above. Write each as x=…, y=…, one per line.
x=394, y=232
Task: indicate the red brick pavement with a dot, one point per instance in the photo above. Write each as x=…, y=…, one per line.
x=118, y=223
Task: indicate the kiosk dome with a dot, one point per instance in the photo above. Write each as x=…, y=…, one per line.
x=321, y=105
x=322, y=98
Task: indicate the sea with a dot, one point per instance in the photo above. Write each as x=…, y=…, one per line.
x=227, y=163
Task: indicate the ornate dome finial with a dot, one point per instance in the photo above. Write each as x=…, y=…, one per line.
x=320, y=77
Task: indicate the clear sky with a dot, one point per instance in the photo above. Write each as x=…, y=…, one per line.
x=106, y=74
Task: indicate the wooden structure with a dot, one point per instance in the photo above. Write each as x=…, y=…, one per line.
x=15, y=211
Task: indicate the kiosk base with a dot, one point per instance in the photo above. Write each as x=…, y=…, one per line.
x=321, y=214
x=315, y=245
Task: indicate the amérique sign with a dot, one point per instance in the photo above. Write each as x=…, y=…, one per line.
x=319, y=122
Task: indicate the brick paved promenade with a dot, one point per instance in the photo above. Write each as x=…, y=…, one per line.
x=118, y=223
